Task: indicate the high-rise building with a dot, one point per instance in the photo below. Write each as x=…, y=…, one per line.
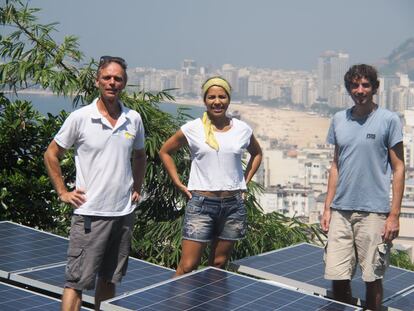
x=243, y=87
x=230, y=73
x=189, y=67
x=332, y=67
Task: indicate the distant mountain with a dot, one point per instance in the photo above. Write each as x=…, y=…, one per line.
x=400, y=60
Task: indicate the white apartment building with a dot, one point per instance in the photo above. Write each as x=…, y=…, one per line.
x=396, y=92
x=409, y=139
x=314, y=163
x=279, y=167
x=231, y=74
x=405, y=240
x=292, y=200
x=308, y=166
x=255, y=86
x=339, y=97
x=332, y=67
x=300, y=92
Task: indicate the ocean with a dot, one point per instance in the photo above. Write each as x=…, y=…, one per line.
x=47, y=103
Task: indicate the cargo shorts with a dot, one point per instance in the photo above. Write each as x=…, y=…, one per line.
x=98, y=246
x=356, y=237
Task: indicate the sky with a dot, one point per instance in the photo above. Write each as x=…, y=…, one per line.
x=278, y=34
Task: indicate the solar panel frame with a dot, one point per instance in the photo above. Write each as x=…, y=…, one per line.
x=227, y=290
x=245, y=269
x=35, y=253
x=317, y=285
x=49, y=278
x=25, y=298
x=401, y=301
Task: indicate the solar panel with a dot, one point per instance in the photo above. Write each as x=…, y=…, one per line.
x=302, y=266
x=139, y=275
x=402, y=301
x=215, y=289
x=24, y=248
x=13, y=298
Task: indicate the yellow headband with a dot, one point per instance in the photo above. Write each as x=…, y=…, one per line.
x=216, y=81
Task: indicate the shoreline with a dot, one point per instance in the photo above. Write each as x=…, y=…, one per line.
x=31, y=92
x=286, y=126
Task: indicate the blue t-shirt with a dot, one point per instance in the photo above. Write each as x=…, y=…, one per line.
x=363, y=161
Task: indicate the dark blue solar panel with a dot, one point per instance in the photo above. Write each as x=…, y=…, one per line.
x=26, y=248
x=303, y=264
x=13, y=298
x=214, y=289
x=404, y=301
x=139, y=275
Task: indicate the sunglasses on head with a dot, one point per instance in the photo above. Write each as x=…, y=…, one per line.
x=108, y=59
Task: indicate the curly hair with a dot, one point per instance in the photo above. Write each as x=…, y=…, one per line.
x=362, y=71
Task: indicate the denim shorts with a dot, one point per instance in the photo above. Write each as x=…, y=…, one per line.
x=207, y=218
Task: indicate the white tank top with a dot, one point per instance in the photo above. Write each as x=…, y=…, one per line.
x=220, y=170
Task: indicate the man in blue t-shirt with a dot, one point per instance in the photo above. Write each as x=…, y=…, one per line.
x=358, y=217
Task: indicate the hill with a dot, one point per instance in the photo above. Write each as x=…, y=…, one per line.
x=400, y=60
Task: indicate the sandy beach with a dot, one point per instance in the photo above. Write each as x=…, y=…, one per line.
x=299, y=128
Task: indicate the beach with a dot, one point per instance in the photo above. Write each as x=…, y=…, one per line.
x=289, y=127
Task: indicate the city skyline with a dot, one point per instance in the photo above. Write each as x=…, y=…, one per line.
x=288, y=35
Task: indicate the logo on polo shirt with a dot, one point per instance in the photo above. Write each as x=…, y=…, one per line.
x=128, y=135
x=370, y=136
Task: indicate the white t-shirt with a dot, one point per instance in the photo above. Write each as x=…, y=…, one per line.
x=220, y=170
x=103, y=158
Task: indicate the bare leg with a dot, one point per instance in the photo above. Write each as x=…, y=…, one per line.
x=190, y=256
x=342, y=290
x=220, y=252
x=374, y=295
x=104, y=290
x=71, y=299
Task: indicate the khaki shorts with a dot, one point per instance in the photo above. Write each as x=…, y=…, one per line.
x=356, y=237
x=98, y=245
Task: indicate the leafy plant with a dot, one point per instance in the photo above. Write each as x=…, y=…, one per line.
x=26, y=193
x=401, y=259
x=31, y=58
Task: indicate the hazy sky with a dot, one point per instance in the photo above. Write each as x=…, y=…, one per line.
x=288, y=34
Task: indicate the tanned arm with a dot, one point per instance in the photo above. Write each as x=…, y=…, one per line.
x=392, y=224
x=255, y=159
x=332, y=181
x=139, y=164
x=51, y=159
x=173, y=144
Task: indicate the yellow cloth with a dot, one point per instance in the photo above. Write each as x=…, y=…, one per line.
x=209, y=132
x=217, y=81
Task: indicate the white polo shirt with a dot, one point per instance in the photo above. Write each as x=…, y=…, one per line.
x=103, y=158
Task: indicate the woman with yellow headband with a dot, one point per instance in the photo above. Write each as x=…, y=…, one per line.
x=215, y=212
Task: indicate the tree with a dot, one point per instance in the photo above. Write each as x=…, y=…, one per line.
x=26, y=194
x=33, y=59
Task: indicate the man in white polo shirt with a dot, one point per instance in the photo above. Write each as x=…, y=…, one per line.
x=104, y=134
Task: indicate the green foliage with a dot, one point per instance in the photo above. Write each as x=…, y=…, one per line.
x=402, y=259
x=34, y=59
x=159, y=240
x=31, y=58
x=271, y=231
x=26, y=193
x=162, y=198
